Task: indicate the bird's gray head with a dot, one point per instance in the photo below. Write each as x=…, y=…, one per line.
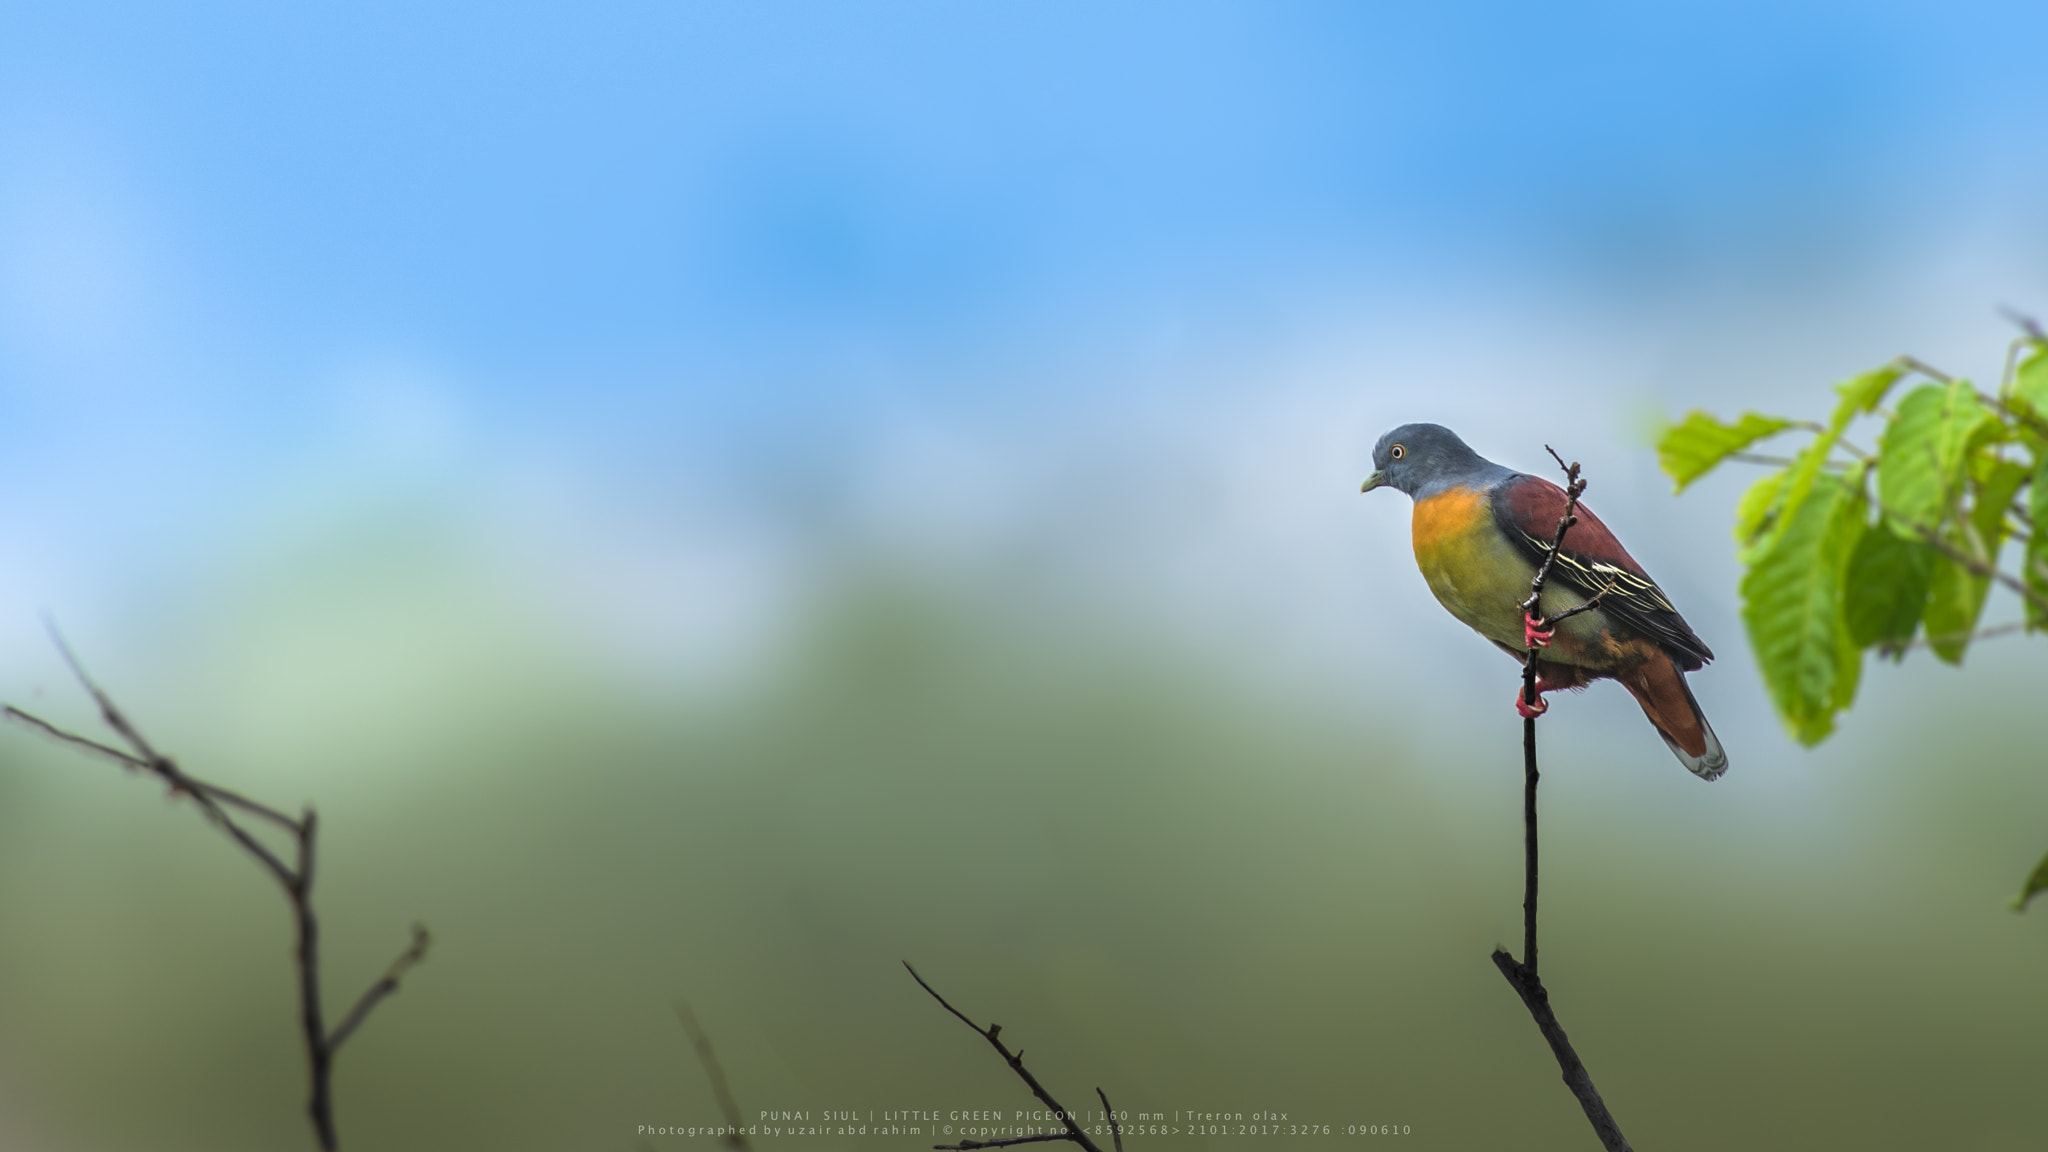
x=1423, y=459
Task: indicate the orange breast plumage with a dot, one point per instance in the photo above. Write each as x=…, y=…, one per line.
x=1473, y=571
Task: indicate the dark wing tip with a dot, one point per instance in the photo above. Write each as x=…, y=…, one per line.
x=1527, y=509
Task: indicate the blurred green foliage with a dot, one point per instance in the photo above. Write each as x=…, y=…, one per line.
x=1847, y=550
x=1192, y=885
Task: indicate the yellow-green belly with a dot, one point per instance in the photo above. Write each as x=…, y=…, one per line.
x=1483, y=579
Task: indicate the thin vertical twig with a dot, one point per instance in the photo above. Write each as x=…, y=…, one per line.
x=1574, y=487
x=319, y=1049
x=1521, y=975
x=1529, y=778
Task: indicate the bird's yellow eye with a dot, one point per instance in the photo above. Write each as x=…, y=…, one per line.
x=1396, y=452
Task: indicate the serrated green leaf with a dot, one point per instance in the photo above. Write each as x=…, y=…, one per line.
x=1692, y=447
x=1756, y=511
x=1993, y=482
x=1955, y=593
x=1885, y=587
x=1846, y=530
x=1955, y=598
x=1792, y=606
x=1807, y=468
x=1921, y=461
x=1862, y=394
x=2038, y=882
x=2029, y=395
x=1858, y=395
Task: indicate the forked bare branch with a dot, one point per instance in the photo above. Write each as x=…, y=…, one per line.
x=219, y=805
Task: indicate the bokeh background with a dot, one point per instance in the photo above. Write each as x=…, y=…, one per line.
x=714, y=499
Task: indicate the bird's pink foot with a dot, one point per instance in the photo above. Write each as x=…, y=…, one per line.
x=1534, y=634
x=1531, y=711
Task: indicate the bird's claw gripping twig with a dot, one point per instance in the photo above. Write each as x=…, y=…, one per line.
x=1531, y=711
x=1534, y=634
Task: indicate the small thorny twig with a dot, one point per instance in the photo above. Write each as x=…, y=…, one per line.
x=1074, y=1133
x=1574, y=487
x=219, y=806
x=1521, y=975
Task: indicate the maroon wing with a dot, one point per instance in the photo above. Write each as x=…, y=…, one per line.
x=1527, y=509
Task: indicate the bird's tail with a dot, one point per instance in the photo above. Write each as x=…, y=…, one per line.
x=1660, y=687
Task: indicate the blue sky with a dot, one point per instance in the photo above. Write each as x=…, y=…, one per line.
x=514, y=186
x=729, y=258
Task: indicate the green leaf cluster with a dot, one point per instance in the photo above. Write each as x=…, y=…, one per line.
x=1848, y=550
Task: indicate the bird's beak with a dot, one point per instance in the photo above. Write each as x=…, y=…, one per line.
x=1376, y=480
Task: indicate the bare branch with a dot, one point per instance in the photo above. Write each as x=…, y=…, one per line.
x=254, y=847
x=319, y=1052
x=1016, y=1062
x=385, y=986
x=1568, y=613
x=1765, y=459
x=1576, y=1077
x=2012, y=362
x=113, y=716
x=1990, y=633
x=1116, y=1130
x=1915, y=364
x=237, y=800
x=2027, y=324
x=1573, y=488
x=1975, y=564
x=207, y=796
x=126, y=759
x=215, y=802
x=734, y=1119
x=2034, y=336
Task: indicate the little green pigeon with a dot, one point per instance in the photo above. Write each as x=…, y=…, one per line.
x=1481, y=529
